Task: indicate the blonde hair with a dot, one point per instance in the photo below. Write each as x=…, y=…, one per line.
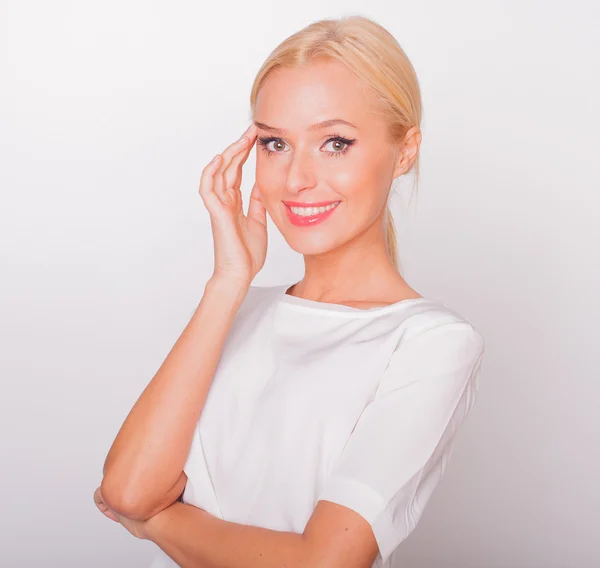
x=374, y=55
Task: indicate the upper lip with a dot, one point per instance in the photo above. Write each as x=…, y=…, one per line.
x=308, y=204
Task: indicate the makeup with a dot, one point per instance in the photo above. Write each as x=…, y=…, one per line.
x=307, y=216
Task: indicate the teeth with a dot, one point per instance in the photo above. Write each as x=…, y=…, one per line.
x=308, y=211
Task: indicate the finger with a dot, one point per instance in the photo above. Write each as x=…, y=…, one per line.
x=232, y=177
x=111, y=515
x=256, y=208
x=232, y=173
x=219, y=183
x=206, y=190
x=102, y=506
x=238, y=150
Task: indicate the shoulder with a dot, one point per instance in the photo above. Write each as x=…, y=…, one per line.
x=432, y=318
x=434, y=340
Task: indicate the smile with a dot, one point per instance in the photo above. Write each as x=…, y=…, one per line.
x=303, y=216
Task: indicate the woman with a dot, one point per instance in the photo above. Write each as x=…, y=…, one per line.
x=307, y=424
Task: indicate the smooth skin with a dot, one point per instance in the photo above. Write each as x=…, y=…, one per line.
x=240, y=244
x=346, y=262
x=345, y=258
x=240, y=241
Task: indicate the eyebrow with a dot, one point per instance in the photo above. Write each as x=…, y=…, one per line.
x=312, y=127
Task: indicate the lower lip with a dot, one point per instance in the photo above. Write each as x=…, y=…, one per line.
x=303, y=220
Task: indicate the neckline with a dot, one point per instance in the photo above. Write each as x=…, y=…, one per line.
x=330, y=308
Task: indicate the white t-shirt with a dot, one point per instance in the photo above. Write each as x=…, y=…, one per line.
x=312, y=400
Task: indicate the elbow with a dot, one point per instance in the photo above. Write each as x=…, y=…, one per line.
x=122, y=502
x=135, y=506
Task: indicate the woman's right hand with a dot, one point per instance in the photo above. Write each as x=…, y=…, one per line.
x=240, y=242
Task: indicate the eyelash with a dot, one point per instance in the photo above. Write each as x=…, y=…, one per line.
x=263, y=141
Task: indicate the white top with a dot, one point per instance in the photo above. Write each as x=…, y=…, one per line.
x=312, y=400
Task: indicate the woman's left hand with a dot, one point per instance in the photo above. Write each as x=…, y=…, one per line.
x=136, y=528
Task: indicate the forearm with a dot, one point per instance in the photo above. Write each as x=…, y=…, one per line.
x=147, y=457
x=194, y=538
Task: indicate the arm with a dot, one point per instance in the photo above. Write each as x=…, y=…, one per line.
x=143, y=469
x=335, y=537
x=194, y=538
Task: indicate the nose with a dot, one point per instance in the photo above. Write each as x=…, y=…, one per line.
x=301, y=172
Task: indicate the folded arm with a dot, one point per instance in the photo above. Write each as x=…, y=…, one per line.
x=144, y=466
x=334, y=537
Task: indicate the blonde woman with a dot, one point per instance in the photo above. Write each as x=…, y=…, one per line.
x=305, y=424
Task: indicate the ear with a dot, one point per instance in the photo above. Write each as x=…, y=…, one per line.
x=406, y=151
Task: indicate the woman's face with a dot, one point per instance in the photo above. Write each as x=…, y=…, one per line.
x=351, y=163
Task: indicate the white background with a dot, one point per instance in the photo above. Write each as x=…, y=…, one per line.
x=108, y=113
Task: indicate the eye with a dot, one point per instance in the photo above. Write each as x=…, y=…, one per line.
x=265, y=141
x=340, y=145
x=338, y=141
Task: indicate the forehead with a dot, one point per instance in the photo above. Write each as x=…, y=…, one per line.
x=315, y=91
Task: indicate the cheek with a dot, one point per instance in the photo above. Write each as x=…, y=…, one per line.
x=358, y=180
x=269, y=165
x=347, y=181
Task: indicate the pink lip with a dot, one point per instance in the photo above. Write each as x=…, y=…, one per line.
x=307, y=204
x=303, y=221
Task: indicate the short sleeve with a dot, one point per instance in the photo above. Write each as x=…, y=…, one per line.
x=399, y=447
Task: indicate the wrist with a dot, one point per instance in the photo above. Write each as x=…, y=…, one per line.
x=155, y=525
x=151, y=528
x=228, y=285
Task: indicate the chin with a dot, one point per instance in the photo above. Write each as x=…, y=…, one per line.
x=313, y=245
